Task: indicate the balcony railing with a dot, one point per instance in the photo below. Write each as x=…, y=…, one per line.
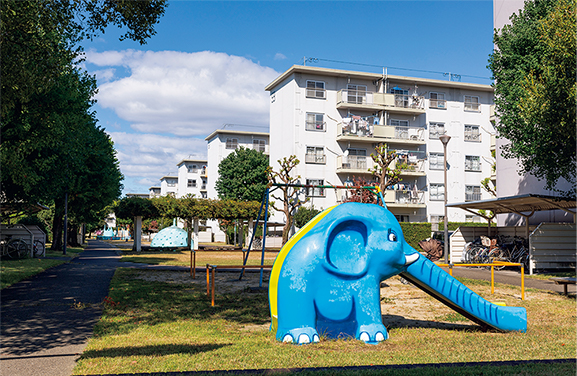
x=314, y=158
x=315, y=126
x=471, y=106
x=473, y=137
x=203, y=187
x=472, y=196
x=382, y=131
x=369, y=98
x=438, y=103
x=409, y=166
x=405, y=197
x=203, y=172
x=354, y=163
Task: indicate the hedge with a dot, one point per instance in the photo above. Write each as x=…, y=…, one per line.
x=415, y=232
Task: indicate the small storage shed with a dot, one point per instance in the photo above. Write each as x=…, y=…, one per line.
x=552, y=245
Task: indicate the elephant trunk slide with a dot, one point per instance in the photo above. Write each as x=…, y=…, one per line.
x=449, y=291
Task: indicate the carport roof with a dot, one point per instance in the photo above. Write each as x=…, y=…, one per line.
x=519, y=204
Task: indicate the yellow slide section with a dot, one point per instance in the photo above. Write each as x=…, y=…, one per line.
x=275, y=273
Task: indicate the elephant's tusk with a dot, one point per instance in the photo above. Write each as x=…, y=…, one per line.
x=409, y=259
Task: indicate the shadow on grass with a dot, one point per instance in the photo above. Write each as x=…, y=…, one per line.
x=152, y=350
x=397, y=322
x=144, y=260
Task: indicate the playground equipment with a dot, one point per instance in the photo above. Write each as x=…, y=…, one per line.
x=170, y=237
x=326, y=279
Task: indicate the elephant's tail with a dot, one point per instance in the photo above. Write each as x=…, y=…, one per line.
x=449, y=291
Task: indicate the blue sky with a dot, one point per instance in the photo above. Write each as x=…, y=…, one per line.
x=209, y=62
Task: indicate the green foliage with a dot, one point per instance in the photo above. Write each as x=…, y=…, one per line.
x=304, y=215
x=387, y=176
x=243, y=175
x=534, y=70
x=130, y=207
x=415, y=232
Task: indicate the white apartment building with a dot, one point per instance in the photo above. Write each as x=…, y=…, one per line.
x=222, y=142
x=192, y=178
x=333, y=119
x=169, y=185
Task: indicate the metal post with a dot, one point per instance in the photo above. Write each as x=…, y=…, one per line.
x=65, y=222
x=445, y=140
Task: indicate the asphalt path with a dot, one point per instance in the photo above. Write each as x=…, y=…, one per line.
x=47, y=319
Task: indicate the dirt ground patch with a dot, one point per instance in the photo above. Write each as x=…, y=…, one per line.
x=403, y=305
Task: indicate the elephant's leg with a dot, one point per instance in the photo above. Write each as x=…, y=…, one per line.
x=368, y=313
x=297, y=321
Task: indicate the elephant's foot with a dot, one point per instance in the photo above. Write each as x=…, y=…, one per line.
x=300, y=336
x=372, y=333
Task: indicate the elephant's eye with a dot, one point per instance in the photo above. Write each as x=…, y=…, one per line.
x=392, y=237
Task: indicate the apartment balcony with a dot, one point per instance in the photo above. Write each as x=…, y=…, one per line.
x=354, y=164
x=405, y=199
x=367, y=100
x=410, y=167
x=315, y=159
x=203, y=188
x=204, y=172
x=261, y=148
x=390, y=134
x=472, y=137
x=493, y=142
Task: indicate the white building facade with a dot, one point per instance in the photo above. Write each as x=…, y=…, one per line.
x=333, y=119
x=222, y=142
x=192, y=178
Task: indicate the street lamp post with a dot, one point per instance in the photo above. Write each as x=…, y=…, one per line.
x=445, y=140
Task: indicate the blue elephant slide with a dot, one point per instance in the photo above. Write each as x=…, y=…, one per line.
x=326, y=279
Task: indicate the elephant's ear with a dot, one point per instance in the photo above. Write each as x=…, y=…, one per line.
x=346, y=252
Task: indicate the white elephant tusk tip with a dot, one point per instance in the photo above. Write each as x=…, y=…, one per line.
x=409, y=259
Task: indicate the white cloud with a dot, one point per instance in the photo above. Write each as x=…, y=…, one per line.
x=148, y=157
x=184, y=94
x=279, y=56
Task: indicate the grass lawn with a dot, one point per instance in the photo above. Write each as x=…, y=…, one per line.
x=155, y=322
x=182, y=258
x=12, y=271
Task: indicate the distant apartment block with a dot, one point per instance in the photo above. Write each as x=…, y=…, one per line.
x=223, y=142
x=333, y=119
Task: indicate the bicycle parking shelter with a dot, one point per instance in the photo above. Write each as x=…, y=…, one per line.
x=520, y=204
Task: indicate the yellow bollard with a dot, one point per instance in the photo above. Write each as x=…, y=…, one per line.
x=207, y=281
x=522, y=282
x=492, y=279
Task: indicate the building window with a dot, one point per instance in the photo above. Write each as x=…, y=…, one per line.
x=192, y=168
x=356, y=159
x=315, y=192
x=402, y=218
x=437, y=192
x=203, y=186
x=191, y=183
x=231, y=143
x=204, y=195
x=436, y=161
x=315, y=154
x=356, y=94
x=473, y=218
x=315, y=89
x=259, y=145
x=472, y=133
x=437, y=100
x=472, y=163
x=171, y=183
x=436, y=130
x=472, y=193
x=315, y=122
x=472, y=103
x=399, y=123
x=401, y=97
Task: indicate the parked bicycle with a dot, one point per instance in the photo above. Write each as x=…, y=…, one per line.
x=484, y=250
x=13, y=248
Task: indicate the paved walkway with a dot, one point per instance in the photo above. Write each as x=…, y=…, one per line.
x=47, y=320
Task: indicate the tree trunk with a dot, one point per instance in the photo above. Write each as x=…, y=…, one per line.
x=73, y=236
x=57, y=225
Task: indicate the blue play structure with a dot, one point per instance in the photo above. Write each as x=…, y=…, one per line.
x=326, y=279
x=170, y=237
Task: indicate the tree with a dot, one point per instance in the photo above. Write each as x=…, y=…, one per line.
x=304, y=215
x=387, y=176
x=534, y=71
x=289, y=197
x=243, y=175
